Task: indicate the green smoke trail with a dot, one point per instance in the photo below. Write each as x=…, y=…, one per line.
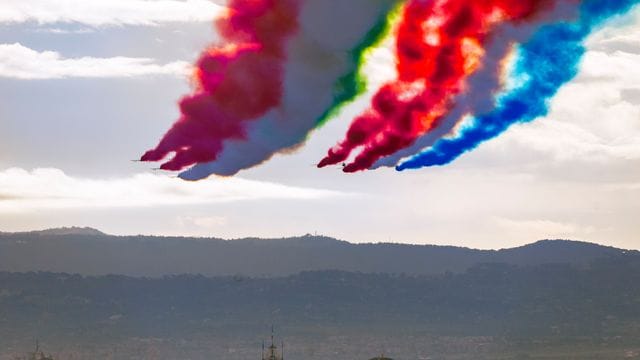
x=354, y=83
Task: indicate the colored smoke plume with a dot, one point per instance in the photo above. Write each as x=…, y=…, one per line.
x=237, y=82
x=545, y=63
x=285, y=67
x=439, y=45
x=322, y=72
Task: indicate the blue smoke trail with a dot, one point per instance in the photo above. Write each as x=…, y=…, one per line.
x=546, y=62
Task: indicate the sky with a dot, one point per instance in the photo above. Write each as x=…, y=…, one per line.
x=86, y=87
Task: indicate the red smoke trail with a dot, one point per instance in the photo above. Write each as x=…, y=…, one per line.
x=439, y=44
x=236, y=83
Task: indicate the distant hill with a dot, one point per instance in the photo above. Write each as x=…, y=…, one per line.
x=74, y=230
x=90, y=252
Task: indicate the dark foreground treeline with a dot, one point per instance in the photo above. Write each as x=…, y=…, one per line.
x=599, y=301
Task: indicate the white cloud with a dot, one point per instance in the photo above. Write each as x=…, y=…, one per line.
x=61, y=31
x=567, y=141
x=594, y=120
x=627, y=187
x=616, y=66
x=622, y=35
x=597, y=116
x=45, y=189
x=540, y=229
x=206, y=222
x=107, y=12
x=20, y=62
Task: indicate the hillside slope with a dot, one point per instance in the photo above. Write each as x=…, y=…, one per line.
x=90, y=252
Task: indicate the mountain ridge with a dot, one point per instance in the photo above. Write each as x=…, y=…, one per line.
x=60, y=231
x=87, y=230
x=91, y=252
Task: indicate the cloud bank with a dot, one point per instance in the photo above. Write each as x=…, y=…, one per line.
x=107, y=12
x=47, y=188
x=595, y=118
x=20, y=62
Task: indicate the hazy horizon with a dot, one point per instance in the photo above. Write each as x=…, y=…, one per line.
x=308, y=234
